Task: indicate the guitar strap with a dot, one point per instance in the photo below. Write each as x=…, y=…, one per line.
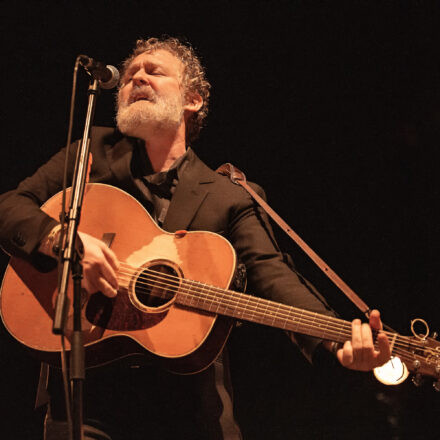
x=239, y=178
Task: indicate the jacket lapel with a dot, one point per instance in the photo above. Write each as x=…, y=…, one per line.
x=120, y=159
x=191, y=191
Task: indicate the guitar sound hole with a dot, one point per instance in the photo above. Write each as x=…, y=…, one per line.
x=156, y=285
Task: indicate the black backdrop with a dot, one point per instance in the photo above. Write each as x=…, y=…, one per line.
x=334, y=109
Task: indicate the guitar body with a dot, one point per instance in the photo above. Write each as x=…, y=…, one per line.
x=143, y=316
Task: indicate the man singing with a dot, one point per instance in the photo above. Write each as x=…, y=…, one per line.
x=161, y=105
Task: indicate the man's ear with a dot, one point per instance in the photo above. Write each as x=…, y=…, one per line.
x=193, y=103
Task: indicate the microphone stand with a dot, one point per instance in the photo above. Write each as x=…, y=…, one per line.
x=71, y=256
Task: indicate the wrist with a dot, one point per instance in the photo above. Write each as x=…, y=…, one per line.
x=50, y=244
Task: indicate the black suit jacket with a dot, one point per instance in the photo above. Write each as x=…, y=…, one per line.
x=203, y=200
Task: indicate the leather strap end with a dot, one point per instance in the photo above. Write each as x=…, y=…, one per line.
x=227, y=169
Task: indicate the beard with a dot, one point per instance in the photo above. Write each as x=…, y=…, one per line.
x=150, y=115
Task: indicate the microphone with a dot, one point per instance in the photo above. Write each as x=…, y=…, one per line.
x=107, y=75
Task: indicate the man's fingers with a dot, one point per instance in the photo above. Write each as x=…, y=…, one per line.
x=375, y=321
x=111, y=257
x=99, y=284
x=356, y=333
x=100, y=264
x=345, y=355
x=105, y=288
x=384, y=353
x=359, y=353
x=108, y=273
x=356, y=339
x=367, y=340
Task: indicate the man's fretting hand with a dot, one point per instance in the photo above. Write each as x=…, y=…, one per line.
x=359, y=353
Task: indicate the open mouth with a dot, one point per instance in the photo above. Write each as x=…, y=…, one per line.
x=137, y=98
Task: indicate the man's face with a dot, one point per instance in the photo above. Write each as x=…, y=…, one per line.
x=151, y=97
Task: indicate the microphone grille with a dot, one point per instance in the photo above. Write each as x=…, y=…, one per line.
x=113, y=81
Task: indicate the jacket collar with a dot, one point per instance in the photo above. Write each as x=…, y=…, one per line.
x=191, y=191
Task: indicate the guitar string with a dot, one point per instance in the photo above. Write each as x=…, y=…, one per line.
x=280, y=316
x=324, y=319
x=403, y=354
x=406, y=340
x=202, y=293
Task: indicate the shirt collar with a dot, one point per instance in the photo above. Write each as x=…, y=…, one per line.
x=141, y=165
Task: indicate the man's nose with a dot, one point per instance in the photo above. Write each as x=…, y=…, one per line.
x=140, y=78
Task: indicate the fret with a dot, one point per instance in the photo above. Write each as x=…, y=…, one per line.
x=180, y=296
x=197, y=299
x=204, y=302
x=262, y=305
x=194, y=300
x=312, y=322
x=245, y=306
x=256, y=301
x=225, y=300
x=229, y=309
x=297, y=324
x=324, y=330
x=214, y=300
x=264, y=313
x=286, y=320
x=188, y=298
x=318, y=325
x=237, y=313
x=236, y=301
x=263, y=318
x=234, y=309
x=269, y=314
x=338, y=336
x=275, y=314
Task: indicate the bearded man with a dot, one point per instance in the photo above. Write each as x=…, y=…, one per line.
x=161, y=105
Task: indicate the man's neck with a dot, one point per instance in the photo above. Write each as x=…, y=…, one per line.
x=164, y=149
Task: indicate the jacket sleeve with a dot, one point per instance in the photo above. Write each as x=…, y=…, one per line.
x=268, y=274
x=22, y=223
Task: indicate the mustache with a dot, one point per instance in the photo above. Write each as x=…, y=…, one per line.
x=141, y=92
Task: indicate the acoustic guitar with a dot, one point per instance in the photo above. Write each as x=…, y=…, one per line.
x=174, y=300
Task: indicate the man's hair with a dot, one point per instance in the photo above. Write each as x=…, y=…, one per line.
x=194, y=76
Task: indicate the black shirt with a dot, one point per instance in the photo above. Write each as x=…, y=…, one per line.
x=157, y=187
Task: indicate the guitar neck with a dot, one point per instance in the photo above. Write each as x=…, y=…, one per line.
x=262, y=311
x=420, y=356
x=415, y=353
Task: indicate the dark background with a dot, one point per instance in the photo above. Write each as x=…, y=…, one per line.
x=334, y=108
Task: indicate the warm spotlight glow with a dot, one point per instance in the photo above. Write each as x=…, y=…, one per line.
x=393, y=372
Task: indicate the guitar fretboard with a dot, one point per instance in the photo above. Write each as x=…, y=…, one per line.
x=262, y=311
